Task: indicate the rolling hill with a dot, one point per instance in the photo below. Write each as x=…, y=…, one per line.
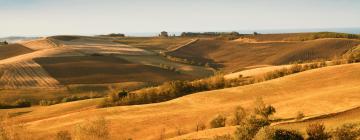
x=87, y=60
x=313, y=92
x=232, y=56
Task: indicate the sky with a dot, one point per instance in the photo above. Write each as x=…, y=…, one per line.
x=91, y=17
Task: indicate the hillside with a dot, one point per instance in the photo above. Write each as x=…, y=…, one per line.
x=8, y=51
x=236, y=55
x=314, y=92
x=104, y=69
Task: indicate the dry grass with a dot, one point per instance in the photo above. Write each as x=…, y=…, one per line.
x=288, y=95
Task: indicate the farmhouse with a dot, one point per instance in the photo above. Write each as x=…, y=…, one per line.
x=163, y=34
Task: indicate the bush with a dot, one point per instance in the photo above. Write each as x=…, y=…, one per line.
x=348, y=131
x=268, y=133
x=316, y=131
x=218, y=121
x=282, y=134
x=248, y=130
x=262, y=109
x=239, y=116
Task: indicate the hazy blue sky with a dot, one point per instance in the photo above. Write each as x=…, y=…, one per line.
x=49, y=17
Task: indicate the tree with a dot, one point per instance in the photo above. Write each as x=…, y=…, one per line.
x=268, y=133
x=249, y=129
x=316, y=131
x=262, y=109
x=122, y=94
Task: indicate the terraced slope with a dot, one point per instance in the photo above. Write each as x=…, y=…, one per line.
x=40, y=44
x=26, y=75
x=234, y=55
x=315, y=92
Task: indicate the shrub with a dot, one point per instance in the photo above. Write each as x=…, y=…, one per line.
x=63, y=135
x=295, y=68
x=218, y=121
x=239, y=116
x=316, y=131
x=248, y=130
x=267, y=133
x=262, y=109
x=282, y=134
x=348, y=131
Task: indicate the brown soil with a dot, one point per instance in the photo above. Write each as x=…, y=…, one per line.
x=103, y=69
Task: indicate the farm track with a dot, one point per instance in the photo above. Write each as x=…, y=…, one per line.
x=26, y=75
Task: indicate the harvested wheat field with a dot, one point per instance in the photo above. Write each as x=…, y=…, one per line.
x=298, y=92
x=103, y=69
x=26, y=75
x=12, y=50
x=221, y=52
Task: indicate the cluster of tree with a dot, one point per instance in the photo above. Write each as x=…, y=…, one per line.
x=116, y=35
x=196, y=34
x=187, y=61
x=325, y=35
x=295, y=68
x=17, y=104
x=167, y=67
x=164, y=92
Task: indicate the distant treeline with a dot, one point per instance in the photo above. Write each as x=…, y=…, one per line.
x=115, y=35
